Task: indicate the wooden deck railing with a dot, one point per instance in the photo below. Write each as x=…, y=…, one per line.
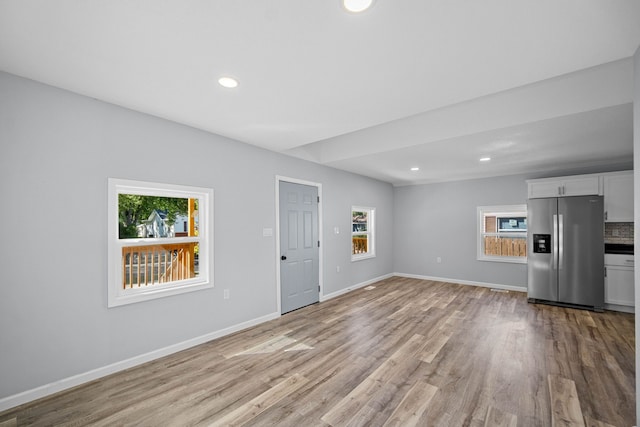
x=154, y=264
x=505, y=246
x=359, y=245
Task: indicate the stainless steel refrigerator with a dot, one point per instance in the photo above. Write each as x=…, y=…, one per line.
x=565, y=260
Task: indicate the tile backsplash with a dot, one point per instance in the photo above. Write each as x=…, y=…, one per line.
x=618, y=232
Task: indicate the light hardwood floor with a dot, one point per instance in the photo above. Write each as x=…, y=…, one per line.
x=407, y=352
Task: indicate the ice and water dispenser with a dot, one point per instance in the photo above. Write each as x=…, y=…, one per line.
x=542, y=243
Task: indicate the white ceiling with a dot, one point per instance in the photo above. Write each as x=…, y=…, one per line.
x=539, y=85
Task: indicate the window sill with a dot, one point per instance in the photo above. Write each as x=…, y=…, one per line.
x=157, y=291
x=362, y=257
x=512, y=260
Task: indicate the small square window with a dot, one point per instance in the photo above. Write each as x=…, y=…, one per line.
x=502, y=233
x=160, y=240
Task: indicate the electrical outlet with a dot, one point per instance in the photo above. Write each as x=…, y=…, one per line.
x=438, y=260
x=226, y=294
x=337, y=269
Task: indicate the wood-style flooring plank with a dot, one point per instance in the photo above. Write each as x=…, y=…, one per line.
x=497, y=418
x=401, y=352
x=590, y=422
x=412, y=406
x=565, y=404
x=348, y=408
x=254, y=407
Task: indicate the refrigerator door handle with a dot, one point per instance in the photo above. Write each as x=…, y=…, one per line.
x=555, y=242
x=560, y=241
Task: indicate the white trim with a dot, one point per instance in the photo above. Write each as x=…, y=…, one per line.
x=361, y=257
x=371, y=232
x=280, y=178
x=354, y=287
x=85, y=377
x=499, y=209
x=620, y=307
x=619, y=302
x=522, y=288
x=505, y=209
x=116, y=296
x=511, y=259
x=94, y=374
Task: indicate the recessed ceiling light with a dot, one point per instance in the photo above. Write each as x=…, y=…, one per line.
x=228, y=82
x=356, y=6
x=415, y=169
x=485, y=159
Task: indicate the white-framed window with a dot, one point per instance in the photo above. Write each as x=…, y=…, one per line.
x=160, y=240
x=363, y=242
x=502, y=233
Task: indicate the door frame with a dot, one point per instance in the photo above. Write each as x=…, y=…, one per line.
x=279, y=179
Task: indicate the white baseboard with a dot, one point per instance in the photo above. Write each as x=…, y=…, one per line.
x=620, y=307
x=354, y=287
x=66, y=383
x=522, y=288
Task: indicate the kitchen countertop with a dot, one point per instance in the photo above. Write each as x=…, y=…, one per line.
x=618, y=248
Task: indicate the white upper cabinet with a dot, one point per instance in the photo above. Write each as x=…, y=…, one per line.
x=618, y=197
x=544, y=189
x=617, y=188
x=577, y=185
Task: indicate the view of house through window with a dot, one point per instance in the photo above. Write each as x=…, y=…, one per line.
x=159, y=244
x=157, y=217
x=362, y=233
x=502, y=233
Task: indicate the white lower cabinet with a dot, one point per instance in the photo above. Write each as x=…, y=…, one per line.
x=619, y=280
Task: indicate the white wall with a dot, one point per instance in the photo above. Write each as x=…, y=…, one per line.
x=57, y=151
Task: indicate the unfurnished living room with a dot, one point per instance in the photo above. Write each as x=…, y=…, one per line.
x=319, y=213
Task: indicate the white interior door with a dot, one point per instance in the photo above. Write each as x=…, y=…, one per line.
x=299, y=246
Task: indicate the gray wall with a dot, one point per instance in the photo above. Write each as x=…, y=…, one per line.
x=57, y=151
x=636, y=207
x=439, y=220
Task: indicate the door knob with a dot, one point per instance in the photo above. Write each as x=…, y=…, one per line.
x=283, y=257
